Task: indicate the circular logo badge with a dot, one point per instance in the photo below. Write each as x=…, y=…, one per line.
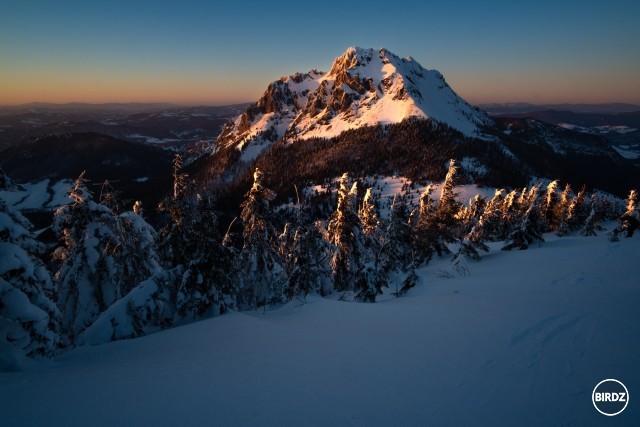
x=610, y=397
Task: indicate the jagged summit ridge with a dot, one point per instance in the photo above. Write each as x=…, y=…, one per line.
x=364, y=87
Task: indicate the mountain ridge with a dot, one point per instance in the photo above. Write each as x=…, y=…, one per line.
x=364, y=87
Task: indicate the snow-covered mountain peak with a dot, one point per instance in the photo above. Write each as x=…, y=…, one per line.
x=357, y=60
x=364, y=87
x=352, y=58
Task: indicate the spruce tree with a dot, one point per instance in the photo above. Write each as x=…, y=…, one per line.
x=436, y=225
x=596, y=215
x=486, y=226
x=510, y=210
x=562, y=208
x=175, y=238
x=448, y=208
x=491, y=224
x=366, y=286
x=207, y=285
x=134, y=253
x=262, y=275
x=101, y=258
x=371, y=227
x=632, y=203
x=470, y=215
x=342, y=232
x=369, y=216
x=528, y=223
x=306, y=257
x=577, y=214
x=133, y=249
x=190, y=241
x=630, y=220
x=549, y=208
x=423, y=224
x=29, y=319
x=396, y=253
x=350, y=269
x=86, y=275
x=148, y=308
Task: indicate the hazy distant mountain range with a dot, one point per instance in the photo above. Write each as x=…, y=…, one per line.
x=170, y=126
x=523, y=107
x=371, y=113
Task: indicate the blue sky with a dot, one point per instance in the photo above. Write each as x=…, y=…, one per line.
x=203, y=52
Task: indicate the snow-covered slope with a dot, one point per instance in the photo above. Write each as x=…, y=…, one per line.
x=521, y=340
x=42, y=195
x=364, y=87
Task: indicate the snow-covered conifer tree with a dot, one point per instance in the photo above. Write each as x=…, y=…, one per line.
x=306, y=257
x=190, y=241
x=368, y=216
x=469, y=215
x=630, y=220
x=102, y=256
x=371, y=228
x=29, y=319
x=207, y=285
x=448, y=206
x=422, y=221
x=174, y=238
x=549, y=208
x=596, y=215
x=350, y=269
x=486, y=227
x=135, y=255
x=528, y=225
x=86, y=230
x=396, y=254
x=632, y=204
x=491, y=224
x=148, y=308
x=562, y=207
x=366, y=286
x=510, y=209
x=577, y=214
x=109, y=197
x=342, y=233
x=261, y=272
x=435, y=226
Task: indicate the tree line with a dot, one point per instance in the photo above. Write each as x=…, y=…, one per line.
x=113, y=276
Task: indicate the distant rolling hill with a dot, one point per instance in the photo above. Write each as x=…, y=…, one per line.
x=169, y=126
x=138, y=171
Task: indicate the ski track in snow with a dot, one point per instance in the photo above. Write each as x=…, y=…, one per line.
x=520, y=340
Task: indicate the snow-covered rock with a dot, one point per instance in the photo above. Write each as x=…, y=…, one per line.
x=364, y=87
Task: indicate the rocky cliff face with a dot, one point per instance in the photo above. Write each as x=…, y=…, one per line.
x=364, y=87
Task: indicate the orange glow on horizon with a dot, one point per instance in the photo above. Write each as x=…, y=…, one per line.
x=97, y=87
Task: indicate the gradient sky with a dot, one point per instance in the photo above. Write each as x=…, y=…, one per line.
x=206, y=53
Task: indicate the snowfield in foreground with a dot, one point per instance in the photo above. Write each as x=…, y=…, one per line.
x=522, y=339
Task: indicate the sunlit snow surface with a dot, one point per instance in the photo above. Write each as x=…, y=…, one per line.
x=522, y=339
x=401, y=88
